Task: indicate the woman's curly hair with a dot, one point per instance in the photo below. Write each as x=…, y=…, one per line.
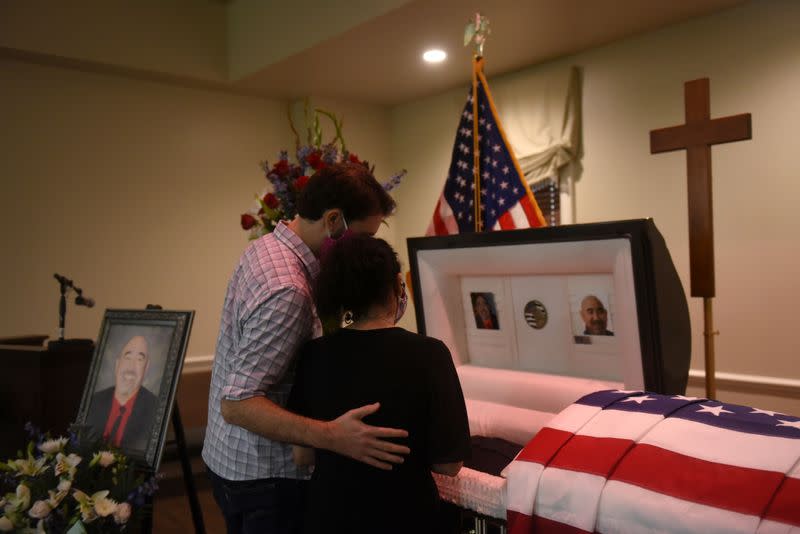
x=357, y=272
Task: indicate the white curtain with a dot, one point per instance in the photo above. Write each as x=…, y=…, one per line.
x=540, y=112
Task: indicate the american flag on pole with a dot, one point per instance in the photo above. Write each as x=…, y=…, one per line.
x=485, y=188
x=618, y=461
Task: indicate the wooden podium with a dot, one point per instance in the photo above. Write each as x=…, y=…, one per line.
x=41, y=384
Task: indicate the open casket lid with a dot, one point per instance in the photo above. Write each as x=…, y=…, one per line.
x=535, y=281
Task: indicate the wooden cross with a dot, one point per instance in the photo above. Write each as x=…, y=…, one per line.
x=696, y=137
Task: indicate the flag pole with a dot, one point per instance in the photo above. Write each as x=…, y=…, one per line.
x=477, y=65
x=708, y=336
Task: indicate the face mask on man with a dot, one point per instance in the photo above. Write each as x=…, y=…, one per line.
x=328, y=242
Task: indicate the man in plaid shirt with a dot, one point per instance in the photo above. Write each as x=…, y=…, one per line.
x=267, y=315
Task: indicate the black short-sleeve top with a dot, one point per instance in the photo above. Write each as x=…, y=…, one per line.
x=414, y=379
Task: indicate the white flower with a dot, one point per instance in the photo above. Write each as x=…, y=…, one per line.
x=6, y=525
x=103, y=506
x=20, y=501
x=29, y=467
x=52, y=446
x=85, y=506
x=104, y=458
x=122, y=513
x=57, y=496
x=40, y=510
x=97, y=504
x=67, y=464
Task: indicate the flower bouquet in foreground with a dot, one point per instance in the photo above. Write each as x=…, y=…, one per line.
x=58, y=486
x=286, y=178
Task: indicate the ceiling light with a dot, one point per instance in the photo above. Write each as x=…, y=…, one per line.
x=434, y=56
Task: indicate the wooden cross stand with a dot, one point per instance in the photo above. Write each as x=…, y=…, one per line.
x=696, y=137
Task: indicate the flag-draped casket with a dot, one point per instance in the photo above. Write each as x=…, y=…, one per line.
x=544, y=344
x=627, y=461
x=572, y=345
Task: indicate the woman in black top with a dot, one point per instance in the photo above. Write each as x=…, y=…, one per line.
x=371, y=360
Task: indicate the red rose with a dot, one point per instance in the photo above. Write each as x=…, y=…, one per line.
x=271, y=200
x=248, y=221
x=281, y=167
x=353, y=158
x=315, y=160
x=300, y=183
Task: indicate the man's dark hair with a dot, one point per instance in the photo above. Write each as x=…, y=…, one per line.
x=358, y=272
x=347, y=186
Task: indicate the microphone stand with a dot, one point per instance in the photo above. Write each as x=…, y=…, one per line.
x=62, y=304
x=65, y=284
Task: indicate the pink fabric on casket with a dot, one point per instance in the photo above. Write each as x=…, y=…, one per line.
x=618, y=461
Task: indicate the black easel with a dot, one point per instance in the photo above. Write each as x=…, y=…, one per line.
x=186, y=467
x=188, y=476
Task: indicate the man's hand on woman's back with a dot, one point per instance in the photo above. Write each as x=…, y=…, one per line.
x=349, y=436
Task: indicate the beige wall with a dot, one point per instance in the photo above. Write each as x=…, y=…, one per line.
x=131, y=188
x=751, y=55
x=134, y=190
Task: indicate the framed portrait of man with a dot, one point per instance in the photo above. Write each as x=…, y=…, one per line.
x=128, y=397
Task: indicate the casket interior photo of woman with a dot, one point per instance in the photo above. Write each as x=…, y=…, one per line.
x=572, y=345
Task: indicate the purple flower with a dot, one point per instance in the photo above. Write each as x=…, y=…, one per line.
x=33, y=432
x=303, y=152
x=280, y=186
x=394, y=181
x=330, y=154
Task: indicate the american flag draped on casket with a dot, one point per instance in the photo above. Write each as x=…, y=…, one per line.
x=620, y=461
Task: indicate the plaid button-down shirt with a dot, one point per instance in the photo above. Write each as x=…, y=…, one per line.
x=268, y=313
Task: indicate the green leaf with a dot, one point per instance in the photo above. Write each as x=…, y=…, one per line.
x=317, y=132
x=269, y=212
x=469, y=33
x=77, y=528
x=273, y=215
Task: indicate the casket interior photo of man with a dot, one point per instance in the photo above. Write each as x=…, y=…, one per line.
x=576, y=398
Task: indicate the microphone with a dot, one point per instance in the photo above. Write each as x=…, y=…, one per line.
x=80, y=300
x=67, y=284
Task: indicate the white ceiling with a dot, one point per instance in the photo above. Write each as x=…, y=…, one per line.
x=379, y=60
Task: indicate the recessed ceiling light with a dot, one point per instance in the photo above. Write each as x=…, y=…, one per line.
x=434, y=56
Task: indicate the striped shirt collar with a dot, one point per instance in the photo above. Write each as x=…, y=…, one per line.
x=291, y=240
